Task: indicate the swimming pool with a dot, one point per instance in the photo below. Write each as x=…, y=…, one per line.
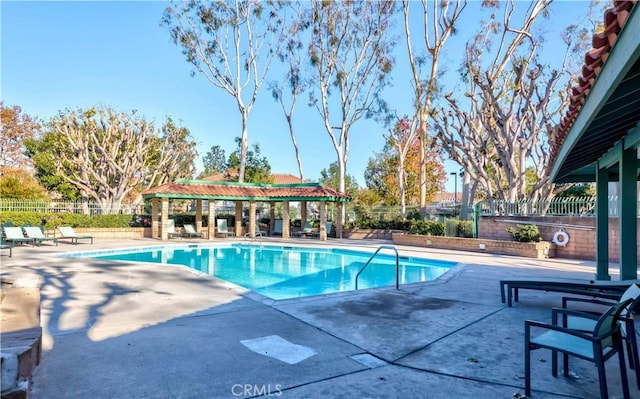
x=283, y=272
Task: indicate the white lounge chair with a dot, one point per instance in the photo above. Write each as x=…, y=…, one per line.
x=223, y=229
x=38, y=236
x=15, y=235
x=190, y=231
x=68, y=232
x=171, y=229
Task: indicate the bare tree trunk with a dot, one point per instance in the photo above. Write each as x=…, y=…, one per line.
x=401, y=184
x=422, y=176
x=243, y=148
x=466, y=200
x=232, y=44
x=350, y=55
x=295, y=148
x=439, y=24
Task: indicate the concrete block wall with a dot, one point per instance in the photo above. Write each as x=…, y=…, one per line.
x=360, y=234
x=114, y=232
x=582, y=243
x=539, y=250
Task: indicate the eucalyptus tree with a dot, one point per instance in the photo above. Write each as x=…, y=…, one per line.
x=109, y=156
x=350, y=54
x=500, y=130
x=231, y=43
x=438, y=23
x=294, y=82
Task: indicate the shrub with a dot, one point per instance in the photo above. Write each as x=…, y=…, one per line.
x=22, y=218
x=427, y=227
x=451, y=227
x=465, y=228
x=525, y=233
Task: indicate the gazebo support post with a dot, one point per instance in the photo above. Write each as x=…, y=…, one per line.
x=238, y=226
x=285, y=219
x=303, y=213
x=199, y=215
x=211, y=226
x=252, y=219
x=164, y=220
x=155, y=211
x=272, y=217
x=339, y=221
x=323, y=221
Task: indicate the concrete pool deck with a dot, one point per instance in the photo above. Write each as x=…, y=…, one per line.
x=120, y=329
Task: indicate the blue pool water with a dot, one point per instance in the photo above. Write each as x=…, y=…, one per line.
x=288, y=272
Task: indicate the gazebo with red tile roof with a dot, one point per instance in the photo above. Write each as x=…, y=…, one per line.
x=598, y=138
x=211, y=190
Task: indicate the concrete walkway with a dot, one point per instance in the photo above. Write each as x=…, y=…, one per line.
x=127, y=330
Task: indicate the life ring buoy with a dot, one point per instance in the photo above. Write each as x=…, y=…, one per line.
x=561, y=238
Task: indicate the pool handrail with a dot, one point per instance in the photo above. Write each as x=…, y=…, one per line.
x=381, y=247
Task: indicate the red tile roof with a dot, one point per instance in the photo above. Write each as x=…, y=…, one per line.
x=285, y=178
x=614, y=20
x=278, y=178
x=246, y=191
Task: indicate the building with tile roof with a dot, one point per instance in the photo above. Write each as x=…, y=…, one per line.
x=597, y=140
x=278, y=178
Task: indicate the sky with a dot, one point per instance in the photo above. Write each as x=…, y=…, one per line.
x=69, y=55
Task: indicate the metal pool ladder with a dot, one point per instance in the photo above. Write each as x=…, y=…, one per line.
x=381, y=247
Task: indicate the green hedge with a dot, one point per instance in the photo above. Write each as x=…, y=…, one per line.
x=395, y=224
x=450, y=228
x=53, y=220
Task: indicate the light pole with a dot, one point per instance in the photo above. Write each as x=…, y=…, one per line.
x=455, y=185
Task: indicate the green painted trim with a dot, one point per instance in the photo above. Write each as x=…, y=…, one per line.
x=235, y=183
x=612, y=157
x=632, y=139
x=602, y=224
x=245, y=198
x=621, y=59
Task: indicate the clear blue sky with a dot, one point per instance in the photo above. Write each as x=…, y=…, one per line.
x=58, y=55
